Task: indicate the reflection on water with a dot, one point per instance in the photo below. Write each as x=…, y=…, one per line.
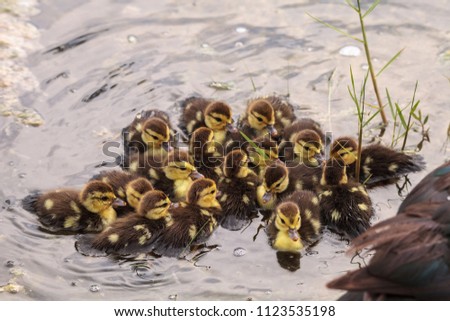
x=102, y=62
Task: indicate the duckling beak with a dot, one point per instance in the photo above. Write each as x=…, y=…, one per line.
x=166, y=146
x=319, y=158
x=231, y=128
x=267, y=197
x=218, y=193
x=196, y=175
x=272, y=131
x=293, y=234
x=118, y=202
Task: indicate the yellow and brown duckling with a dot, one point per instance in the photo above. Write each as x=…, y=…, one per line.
x=67, y=210
x=127, y=186
x=136, y=232
x=202, y=148
x=411, y=249
x=301, y=124
x=281, y=179
x=295, y=222
x=345, y=205
x=305, y=148
x=193, y=221
x=173, y=176
x=150, y=132
x=380, y=165
x=238, y=191
x=267, y=115
x=200, y=112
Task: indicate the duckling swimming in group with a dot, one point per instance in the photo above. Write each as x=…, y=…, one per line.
x=345, y=206
x=137, y=231
x=380, y=165
x=305, y=148
x=202, y=149
x=200, y=112
x=88, y=210
x=128, y=186
x=150, y=132
x=193, y=221
x=295, y=222
x=282, y=179
x=173, y=176
x=302, y=124
x=266, y=115
x=411, y=249
x=238, y=191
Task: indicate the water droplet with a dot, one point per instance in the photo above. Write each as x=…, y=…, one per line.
x=10, y=263
x=72, y=91
x=94, y=288
x=205, y=45
x=309, y=49
x=22, y=175
x=173, y=297
x=239, y=44
x=132, y=39
x=11, y=163
x=65, y=75
x=350, y=51
x=268, y=292
x=448, y=198
x=239, y=251
x=241, y=29
x=232, y=69
x=364, y=66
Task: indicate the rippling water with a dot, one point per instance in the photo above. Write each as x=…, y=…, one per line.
x=99, y=63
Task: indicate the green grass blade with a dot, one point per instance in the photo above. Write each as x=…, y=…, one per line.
x=390, y=61
x=371, y=117
x=256, y=147
x=373, y=6
x=251, y=78
x=350, y=4
x=335, y=28
x=400, y=115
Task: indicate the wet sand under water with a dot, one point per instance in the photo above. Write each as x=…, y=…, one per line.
x=98, y=64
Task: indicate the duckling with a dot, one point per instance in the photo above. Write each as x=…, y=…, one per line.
x=173, y=176
x=193, y=221
x=267, y=115
x=150, y=132
x=282, y=179
x=88, y=210
x=200, y=112
x=301, y=124
x=380, y=165
x=345, y=206
x=258, y=161
x=411, y=249
x=238, y=191
x=305, y=148
x=295, y=222
x=127, y=186
x=202, y=149
x=137, y=231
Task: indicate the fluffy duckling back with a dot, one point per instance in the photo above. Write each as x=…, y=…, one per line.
x=200, y=112
x=202, y=149
x=345, y=206
x=129, y=187
x=258, y=120
x=136, y=232
x=411, y=249
x=193, y=221
x=295, y=222
x=88, y=210
x=380, y=165
x=238, y=191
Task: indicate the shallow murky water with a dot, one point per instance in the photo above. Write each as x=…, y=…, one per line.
x=98, y=63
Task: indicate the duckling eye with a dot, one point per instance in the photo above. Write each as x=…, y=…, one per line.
x=212, y=192
x=278, y=185
x=259, y=119
x=217, y=119
x=154, y=137
x=306, y=148
x=182, y=168
x=104, y=198
x=282, y=220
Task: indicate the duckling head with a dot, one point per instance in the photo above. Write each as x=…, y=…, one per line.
x=276, y=180
x=288, y=220
x=178, y=166
x=334, y=173
x=202, y=142
x=236, y=164
x=345, y=148
x=308, y=146
x=262, y=116
x=218, y=116
x=154, y=205
x=135, y=189
x=156, y=134
x=267, y=145
x=98, y=197
x=203, y=192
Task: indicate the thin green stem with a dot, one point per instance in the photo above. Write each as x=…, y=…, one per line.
x=411, y=112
